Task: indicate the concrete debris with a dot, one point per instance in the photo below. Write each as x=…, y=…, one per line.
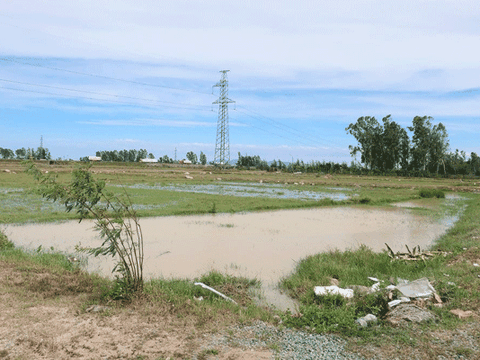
x=476, y=265
x=403, y=299
x=406, y=313
x=6, y=170
x=188, y=177
x=360, y=289
x=97, y=308
x=334, y=281
x=333, y=290
x=420, y=288
x=367, y=319
x=72, y=259
x=462, y=314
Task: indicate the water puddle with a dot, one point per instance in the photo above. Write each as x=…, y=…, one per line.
x=264, y=245
x=277, y=191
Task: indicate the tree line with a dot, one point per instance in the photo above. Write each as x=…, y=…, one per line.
x=131, y=155
x=40, y=153
x=134, y=155
x=387, y=147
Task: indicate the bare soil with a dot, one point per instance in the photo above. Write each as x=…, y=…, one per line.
x=38, y=323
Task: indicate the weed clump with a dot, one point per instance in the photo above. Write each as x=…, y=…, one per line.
x=431, y=193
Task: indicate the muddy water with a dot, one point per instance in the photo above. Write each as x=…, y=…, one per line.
x=265, y=245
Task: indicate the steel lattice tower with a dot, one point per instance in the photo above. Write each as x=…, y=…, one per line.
x=222, y=144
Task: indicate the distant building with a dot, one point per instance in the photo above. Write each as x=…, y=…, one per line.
x=94, y=158
x=185, y=162
x=148, y=160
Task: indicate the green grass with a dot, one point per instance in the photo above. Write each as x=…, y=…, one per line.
x=20, y=203
x=352, y=267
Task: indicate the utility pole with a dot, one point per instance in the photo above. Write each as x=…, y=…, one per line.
x=222, y=144
x=175, y=155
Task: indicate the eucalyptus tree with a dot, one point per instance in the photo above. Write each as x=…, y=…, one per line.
x=381, y=146
x=474, y=163
x=7, y=153
x=192, y=157
x=365, y=131
x=203, y=158
x=21, y=153
x=430, y=144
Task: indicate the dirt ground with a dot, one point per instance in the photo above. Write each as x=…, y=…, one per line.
x=39, y=325
x=44, y=315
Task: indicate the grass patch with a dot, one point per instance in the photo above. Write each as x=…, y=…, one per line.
x=431, y=193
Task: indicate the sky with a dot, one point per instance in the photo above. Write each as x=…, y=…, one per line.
x=87, y=76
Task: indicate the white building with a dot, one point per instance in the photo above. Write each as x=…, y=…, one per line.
x=148, y=160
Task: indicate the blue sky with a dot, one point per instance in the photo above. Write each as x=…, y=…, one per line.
x=105, y=75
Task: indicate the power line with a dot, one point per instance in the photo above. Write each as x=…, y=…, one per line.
x=282, y=127
x=92, y=98
x=103, y=76
x=283, y=137
x=98, y=93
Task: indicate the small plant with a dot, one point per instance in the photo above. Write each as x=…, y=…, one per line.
x=213, y=210
x=115, y=219
x=204, y=353
x=364, y=200
x=5, y=244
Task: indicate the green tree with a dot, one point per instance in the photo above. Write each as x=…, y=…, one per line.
x=366, y=132
x=192, y=157
x=21, y=153
x=7, y=153
x=166, y=160
x=203, y=158
x=430, y=144
x=404, y=150
x=474, y=163
x=380, y=145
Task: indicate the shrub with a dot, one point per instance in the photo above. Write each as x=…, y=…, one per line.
x=115, y=220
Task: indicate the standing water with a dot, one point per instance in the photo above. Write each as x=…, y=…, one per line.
x=264, y=245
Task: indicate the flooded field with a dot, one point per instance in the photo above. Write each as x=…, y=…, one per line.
x=278, y=191
x=265, y=245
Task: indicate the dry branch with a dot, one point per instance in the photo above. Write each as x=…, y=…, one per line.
x=415, y=255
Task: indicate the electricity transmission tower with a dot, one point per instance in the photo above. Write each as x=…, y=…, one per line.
x=222, y=144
